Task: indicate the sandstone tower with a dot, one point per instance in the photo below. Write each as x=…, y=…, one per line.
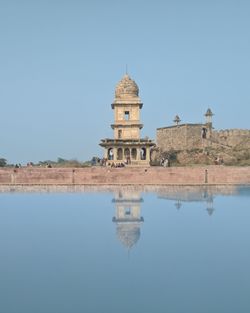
x=127, y=146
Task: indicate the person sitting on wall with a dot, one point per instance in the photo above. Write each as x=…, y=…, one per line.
x=216, y=160
x=166, y=163
x=103, y=162
x=162, y=162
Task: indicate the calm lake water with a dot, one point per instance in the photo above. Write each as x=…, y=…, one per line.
x=176, y=250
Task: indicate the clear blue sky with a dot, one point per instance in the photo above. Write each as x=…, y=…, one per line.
x=60, y=61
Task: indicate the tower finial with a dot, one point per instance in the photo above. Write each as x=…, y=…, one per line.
x=209, y=114
x=177, y=120
x=126, y=69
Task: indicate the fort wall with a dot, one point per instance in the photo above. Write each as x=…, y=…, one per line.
x=189, y=136
x=231, y=137
x=179, y=137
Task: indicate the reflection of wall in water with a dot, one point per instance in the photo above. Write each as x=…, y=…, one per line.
x=128, y=216
x=190, y=194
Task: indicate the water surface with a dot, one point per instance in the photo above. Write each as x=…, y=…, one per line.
x=131, y=249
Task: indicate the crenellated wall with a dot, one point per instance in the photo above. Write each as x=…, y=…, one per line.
x=189, y=136
x=231, y=137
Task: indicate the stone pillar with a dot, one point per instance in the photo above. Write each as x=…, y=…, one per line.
x=115, y=154
x=106, y=153
x=138, y=156
x=148, y=154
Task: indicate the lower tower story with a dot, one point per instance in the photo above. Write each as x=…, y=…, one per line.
x=129, y=152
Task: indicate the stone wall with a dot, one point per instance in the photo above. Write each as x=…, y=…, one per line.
x=126, y=176
x=231, y=137
x=179, y=137
x=188, y=136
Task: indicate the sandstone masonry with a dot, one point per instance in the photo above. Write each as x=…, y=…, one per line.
x=231, y=145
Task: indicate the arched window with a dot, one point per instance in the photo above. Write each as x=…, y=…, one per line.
x=127, y=155
x=110, y=154
x=133, y=153
x=119, y=133
x=119, y=154
x=143, y=153
x=126, y=115
x=127, y=152
x=204, y=133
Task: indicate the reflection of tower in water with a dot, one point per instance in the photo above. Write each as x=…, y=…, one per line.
x=128, y=217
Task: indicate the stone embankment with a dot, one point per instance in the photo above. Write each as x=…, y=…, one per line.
x=126, y=176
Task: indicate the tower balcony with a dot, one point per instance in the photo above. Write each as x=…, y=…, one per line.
x=129, y=124
x=108, y=142
x=127, y=102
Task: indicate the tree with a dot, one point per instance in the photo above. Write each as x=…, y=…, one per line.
x=3, y=162
x=61, y=160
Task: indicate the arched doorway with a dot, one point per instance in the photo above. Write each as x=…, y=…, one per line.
x=133, y=153
x=110, y=154
x=127, y=155
x=204, y=133
x=143, y=153
x=119, y=154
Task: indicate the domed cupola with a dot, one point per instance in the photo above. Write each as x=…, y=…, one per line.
x=127, y=87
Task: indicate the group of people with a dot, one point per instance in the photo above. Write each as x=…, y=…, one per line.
x=98, y=161
x=106, y=162
x=30, y=164
x=117, y=164
x=218, y=161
